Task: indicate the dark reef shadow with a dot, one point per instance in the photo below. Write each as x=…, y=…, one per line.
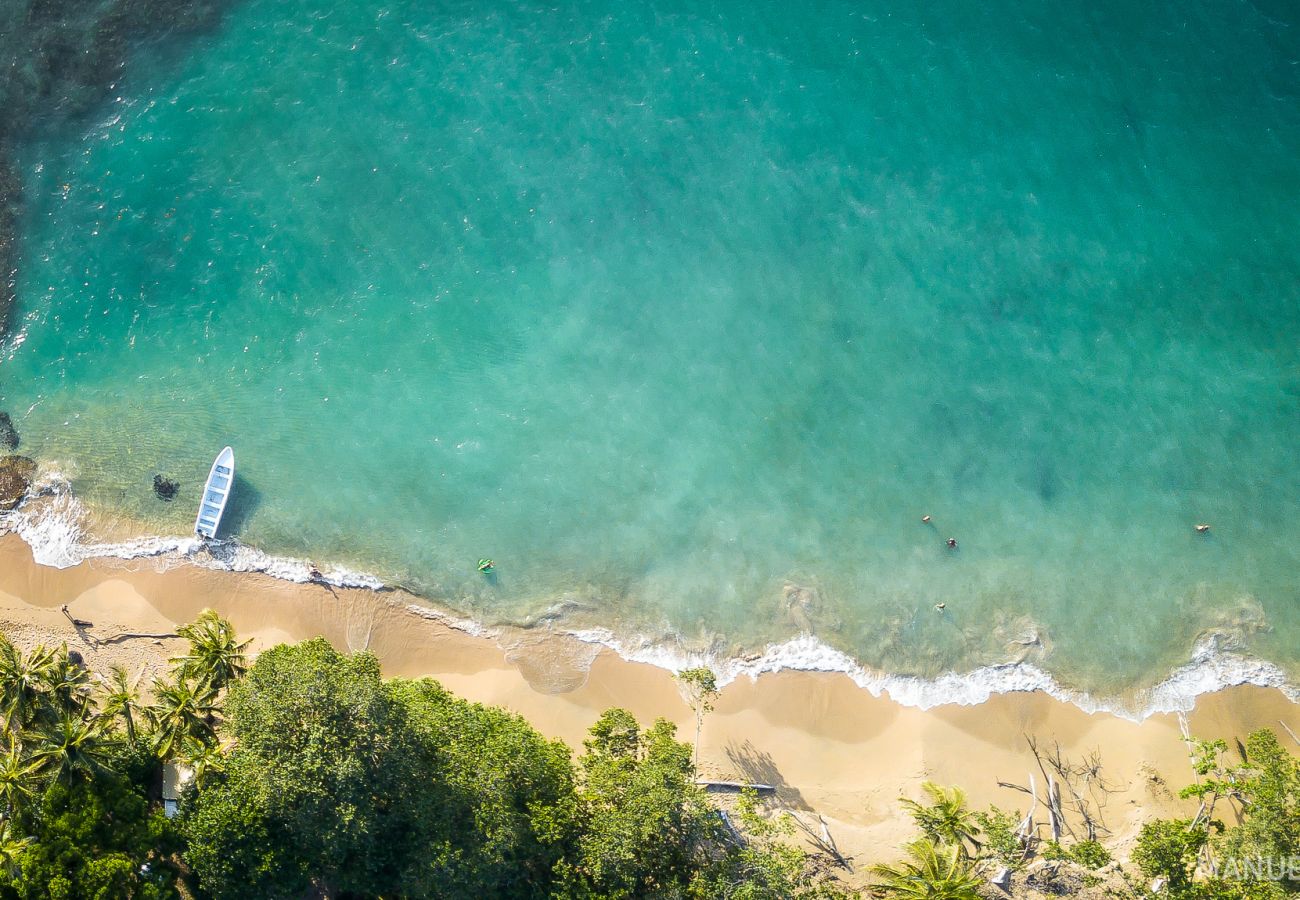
x=757, y=767
x=61, y=60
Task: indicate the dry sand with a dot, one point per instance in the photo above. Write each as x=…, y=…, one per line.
x=830, y=747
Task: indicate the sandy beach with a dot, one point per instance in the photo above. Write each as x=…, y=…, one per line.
x=831, y=748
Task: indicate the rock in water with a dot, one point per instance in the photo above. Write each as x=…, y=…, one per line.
x=8, y=434
x=16, y=474
x=165, y=488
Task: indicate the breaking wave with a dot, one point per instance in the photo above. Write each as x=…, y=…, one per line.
x=51, y=523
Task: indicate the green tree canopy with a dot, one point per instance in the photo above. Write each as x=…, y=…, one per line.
x=311, y=796
x=216, y=658
x=93, y=837
x=931, y=871
x=24, y=680
x=946, y=819
x=1269, y=786
x=648, y=827
x=505, y=795
x=339, y=782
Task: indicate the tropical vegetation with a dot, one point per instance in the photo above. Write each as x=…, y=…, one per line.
x=310, y=775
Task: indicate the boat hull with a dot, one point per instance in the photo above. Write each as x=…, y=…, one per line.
x=216, y=492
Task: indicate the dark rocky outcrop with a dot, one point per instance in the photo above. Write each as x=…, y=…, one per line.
x=8, y=433
x=165, y=488
x=16, y=474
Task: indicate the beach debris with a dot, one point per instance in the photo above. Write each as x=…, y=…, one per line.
x=1079, y=783
x=81, y=626
x=824, y=842
x=736, y=837
x=165, y=488
x=8, y=434
x=485, y=565
x=1202, y=528
x=16, y=474
x=952, y=543
x=76, y=623
x=735, y=787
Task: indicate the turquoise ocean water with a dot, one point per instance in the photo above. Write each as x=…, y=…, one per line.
x=686, y=313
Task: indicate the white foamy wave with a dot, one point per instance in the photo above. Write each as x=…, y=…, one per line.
x=52, y=532
x=1210, y=669
x=232, y=556
x=52, y=522
x=471, y=627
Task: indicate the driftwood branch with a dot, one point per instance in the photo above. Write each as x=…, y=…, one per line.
x=824, y=842
x=735, y=786
x=1074, y=792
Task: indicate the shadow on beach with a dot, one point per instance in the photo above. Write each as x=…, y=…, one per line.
x=757, y=767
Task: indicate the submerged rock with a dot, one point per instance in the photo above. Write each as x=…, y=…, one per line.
x=165, y=488
x=8, y=434
x=16, y=474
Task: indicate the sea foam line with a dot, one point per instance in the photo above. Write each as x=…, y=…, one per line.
x=51, y=526
x=1211, y=668
x=51, y=523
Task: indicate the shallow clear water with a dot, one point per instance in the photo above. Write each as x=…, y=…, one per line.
x=676, y=309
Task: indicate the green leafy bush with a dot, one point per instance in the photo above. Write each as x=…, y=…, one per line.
x=1001, y=843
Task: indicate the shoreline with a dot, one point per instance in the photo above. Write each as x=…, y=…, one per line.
x=830, y=747
x=53, y=523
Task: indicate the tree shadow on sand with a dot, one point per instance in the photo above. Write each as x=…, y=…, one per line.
x=757, y=767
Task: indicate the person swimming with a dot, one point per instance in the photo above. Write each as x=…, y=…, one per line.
x=1202, y=528
x=952, y=543
x=485, y=565
x=925, y=519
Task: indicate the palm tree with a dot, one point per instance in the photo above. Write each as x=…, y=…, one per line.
x=122, y=700
x=215, y=658
x=204, y=760
x=946, y=820
x=68, y=682
x=18, y=774
x=71, y=747
x=183, y=711
x=11, y=848
x=23, y=682
x=931, y=872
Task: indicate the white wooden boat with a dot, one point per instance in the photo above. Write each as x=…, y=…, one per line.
x=221, y=480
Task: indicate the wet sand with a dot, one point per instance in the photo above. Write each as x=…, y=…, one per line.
x=830, y=747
